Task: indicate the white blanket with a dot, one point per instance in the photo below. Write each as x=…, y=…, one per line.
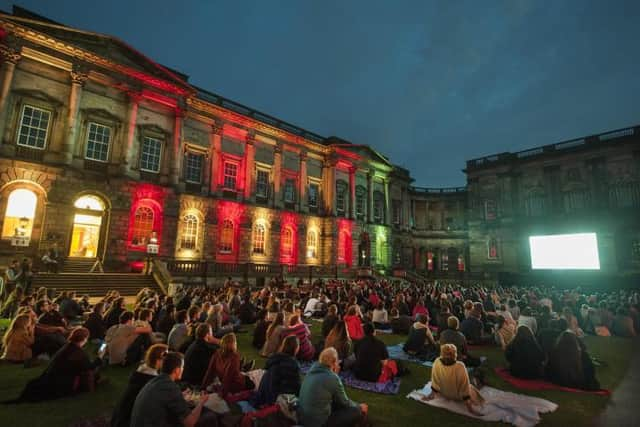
x=511, y=408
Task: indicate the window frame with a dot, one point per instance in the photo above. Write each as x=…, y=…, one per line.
x=289, y=190
x=223, y=246
x=266, y=184
x=146, y=138
x=378, y=205
x=312, y=244
x=361, y=194
x=29, y=230
x=135, y=227
x=87, y=141
x=287, y=242
x=226, y=176
x=316, y=194
x=186, y=168
x=46, y=131
x=341, y=197
x=497, y=249
x=185, y=236
x=259, y=239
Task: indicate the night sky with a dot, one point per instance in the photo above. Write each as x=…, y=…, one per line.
x=430, y=84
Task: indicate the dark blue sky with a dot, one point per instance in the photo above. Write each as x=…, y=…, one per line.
x=430, y=84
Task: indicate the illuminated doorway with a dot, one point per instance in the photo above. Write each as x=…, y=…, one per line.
x=87, y=227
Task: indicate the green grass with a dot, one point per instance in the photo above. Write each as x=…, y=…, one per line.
x=574, y=409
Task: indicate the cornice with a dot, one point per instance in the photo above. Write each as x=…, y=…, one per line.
x=91, y=58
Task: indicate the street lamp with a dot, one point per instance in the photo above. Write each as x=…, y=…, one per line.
x=152, y=249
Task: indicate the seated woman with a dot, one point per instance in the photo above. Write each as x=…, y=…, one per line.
x=69, y=372
x=273, y=336
x=282, y=373
x=301, y=330
x=225, y=365
x=354, y=323
x=380, y=317
x=420, y=342
x=260, y=331
x=504, y=332
x=139, y=378
x=418, y=309
x=95, y=323
x=372, y=359
x=572, y=321
x=339, y=339
x=452, y=335
x=524, y=354
x=570, y=365
x=330, y=320
x=18, y=339
x=449, y=378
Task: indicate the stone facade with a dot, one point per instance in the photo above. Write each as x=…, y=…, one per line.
x=84, y=117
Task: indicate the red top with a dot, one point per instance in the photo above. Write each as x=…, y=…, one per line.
x=354, y=327
x=228, y=372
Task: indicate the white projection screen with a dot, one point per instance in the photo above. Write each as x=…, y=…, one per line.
x=565, y=252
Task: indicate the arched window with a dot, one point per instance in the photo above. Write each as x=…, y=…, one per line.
x=20, y=213
x=142, y=226
x=258, y=239
x=287, y=242
x=189, y=235
x=312, y=244
x=226, y=237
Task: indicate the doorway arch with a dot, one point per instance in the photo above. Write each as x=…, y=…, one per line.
x=89, y=227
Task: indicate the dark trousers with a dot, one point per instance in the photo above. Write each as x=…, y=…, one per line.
x=344, y=417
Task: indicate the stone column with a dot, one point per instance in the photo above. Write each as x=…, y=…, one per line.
x=277, y=171
x=329, y=178
x=214, y=166
x=78, y=79
x=128, y=155
x=352, y=192
x=370, y=197
x=176, y=152
x=249, y=163
x=387, y=204
x=10, y=58
x=302, y=193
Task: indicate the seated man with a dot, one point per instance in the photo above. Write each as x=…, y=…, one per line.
x=400, y=323
x=323, y=401
x=372, y=358
x=161, y=403
x=472, y=328
x=121, y=337
x=198, y=354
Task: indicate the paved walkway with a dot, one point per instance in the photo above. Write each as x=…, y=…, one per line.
x=624, y=406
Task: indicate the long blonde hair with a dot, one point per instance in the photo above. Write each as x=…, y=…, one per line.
x=20, y=322
x=227, y=344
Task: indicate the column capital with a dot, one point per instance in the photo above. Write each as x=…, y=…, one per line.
x=79, y=74
x=303, y=155
x=134, y=96
x=216, y=128
x=250, y=138
x=278, y=148
x=353, y=170
x=180, y=112
x=10, y=54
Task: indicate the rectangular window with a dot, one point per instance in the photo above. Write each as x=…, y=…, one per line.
x=289, y=191
x=360, y=195
x=193, y=167
x=490, y=210
x=150, y=154
x=230, y=175
x=262, y=184
x=397, y=212
x=98, y=138
x=341, y=197
x=313, y=195
x=34, y=125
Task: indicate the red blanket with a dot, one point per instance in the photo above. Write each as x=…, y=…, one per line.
x=541, y=384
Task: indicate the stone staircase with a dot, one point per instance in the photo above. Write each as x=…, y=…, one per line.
x=96, y=284
x=77, y=265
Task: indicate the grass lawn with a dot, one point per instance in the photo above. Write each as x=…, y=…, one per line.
x=574, y=409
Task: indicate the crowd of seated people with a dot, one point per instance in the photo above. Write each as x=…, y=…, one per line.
x=539, y=329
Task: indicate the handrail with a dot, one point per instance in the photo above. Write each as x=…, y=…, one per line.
x=161, y=275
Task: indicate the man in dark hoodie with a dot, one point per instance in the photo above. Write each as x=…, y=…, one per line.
x=282, y=373
x=196, y=359
x=420, y=342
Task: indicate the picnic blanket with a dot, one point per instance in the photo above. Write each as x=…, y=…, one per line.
x=396, y=352
x=541, y=384
x=349, y=379
x=499, y=406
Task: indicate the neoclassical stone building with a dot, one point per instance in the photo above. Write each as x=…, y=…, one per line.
x=103, y=149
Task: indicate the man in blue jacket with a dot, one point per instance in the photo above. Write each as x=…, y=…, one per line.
x=323, y=401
